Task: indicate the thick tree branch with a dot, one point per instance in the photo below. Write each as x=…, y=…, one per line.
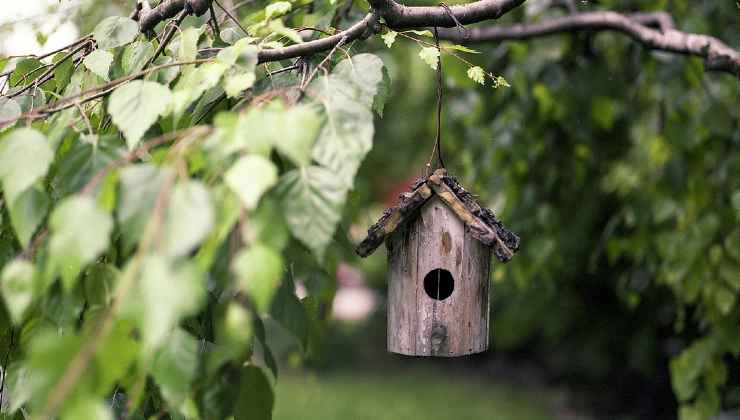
x=398, y=16
x=717, y=55
x=354, y=32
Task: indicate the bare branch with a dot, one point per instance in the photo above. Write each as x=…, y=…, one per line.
x=717, y=55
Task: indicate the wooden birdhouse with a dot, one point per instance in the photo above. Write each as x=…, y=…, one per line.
x=439, y=241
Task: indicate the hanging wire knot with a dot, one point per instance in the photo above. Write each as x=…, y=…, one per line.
x=462, y=30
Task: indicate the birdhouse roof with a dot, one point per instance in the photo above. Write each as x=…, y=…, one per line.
x=483, y=224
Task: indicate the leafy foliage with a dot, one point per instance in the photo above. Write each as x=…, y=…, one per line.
x=146, y=233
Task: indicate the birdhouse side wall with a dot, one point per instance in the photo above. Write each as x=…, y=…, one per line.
x=419, y=324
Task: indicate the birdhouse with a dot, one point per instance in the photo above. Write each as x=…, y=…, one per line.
x=439, y=241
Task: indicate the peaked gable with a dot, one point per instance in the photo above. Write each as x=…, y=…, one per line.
x=482, y=222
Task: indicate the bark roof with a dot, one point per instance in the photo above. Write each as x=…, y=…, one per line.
x=481, y=221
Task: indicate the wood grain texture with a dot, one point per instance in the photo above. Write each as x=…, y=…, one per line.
x=418, y=324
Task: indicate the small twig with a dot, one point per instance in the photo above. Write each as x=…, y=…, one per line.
x=305, y=82
x=96, y=92
x=167, y=37
x=232, y=17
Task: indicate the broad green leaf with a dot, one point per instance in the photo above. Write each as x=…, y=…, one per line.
x=26, y=71
x=193, y=83
x=49, y=355
x=190, y=217
x=25, y=156
x=477, y=75
x=735, y=202
x=87, y=407
x=389, y=37
x=27, y=212
x=135, y=106
x=175, y=366
x=259, y=270
x=312, y=200
x=250, y=177
x=384, y=91
x=99, y=62
x=115, y=31
x=79, y=233
x=267, y=225
x=277, y=9
x=17, y=288
x=430, y=55
x=348, y=95
x=295, y=133
x=140, y=187
x=242, y=61
x=63, y=71
x=290, y=313
x=82, y=162
x=188, y=48
x=9, y=110
x=135, y=57
x=164, y=295
x=256, y=398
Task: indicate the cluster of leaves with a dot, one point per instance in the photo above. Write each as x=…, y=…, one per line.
x=141, y=248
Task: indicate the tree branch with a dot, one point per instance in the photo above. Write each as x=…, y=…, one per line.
x=398, y=16
x=717, y=55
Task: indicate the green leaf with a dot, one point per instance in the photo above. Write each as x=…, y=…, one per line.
x=256, y=398
x=735, y=198
x=242, y=61
x=277, y=9
x=477, y=75
x=25, y=156
x=86, y=407
x=389, y=37
x=17, y=288
x=290, y=313
x=140, y=186
x=84, y=161
x=135, y=56
x=27, y=212
x=259, y=270
x=175, y=367
x=384, y=91
x=164, y=295
x=79, y=233
x=193, y=83
x=190, y=218
x=295, y=133
x=461, y=48
x=188, y=48
x=99, y=62
x=115, y=31
x=250, y=177
x=9, y=110
x=430, y=55
x=26, y=71
x=312, y=200
x=63, y=71
x=348, y=95
x=135, y=106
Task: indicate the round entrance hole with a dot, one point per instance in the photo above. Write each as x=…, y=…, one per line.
x=439, y=284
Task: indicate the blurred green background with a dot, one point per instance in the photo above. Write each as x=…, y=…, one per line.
x=619, y=168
